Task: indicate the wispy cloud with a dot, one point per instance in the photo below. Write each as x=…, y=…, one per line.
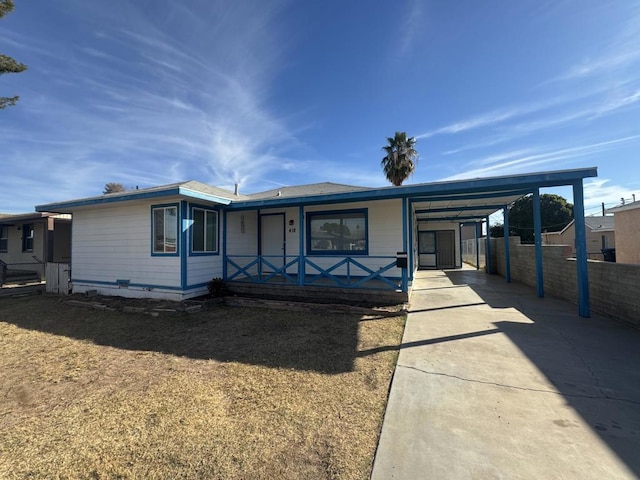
x=148, y=103
x=412, y=26
x=510, y=163
x=621, y=52
x=603, y=190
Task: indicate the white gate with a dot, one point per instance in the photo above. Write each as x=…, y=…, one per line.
x=58, y=276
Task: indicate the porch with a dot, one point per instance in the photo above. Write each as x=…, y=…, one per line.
x=343, y=279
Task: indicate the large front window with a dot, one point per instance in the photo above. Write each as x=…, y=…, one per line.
x=204, y=233
x=337, y=233
x=165, y=229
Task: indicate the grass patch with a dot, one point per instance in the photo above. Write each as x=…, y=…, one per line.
x=224, y=393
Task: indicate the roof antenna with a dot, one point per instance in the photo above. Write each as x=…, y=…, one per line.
x=235, y=191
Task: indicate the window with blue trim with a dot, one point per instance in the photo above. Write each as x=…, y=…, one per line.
x=165, y=229
x=341, y=232
x=204, y=232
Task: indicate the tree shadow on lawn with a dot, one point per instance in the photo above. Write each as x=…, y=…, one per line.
x=311, y=341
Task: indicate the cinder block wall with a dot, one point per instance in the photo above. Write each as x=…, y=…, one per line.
x=613, y=287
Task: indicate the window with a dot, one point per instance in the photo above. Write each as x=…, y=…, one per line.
x=4, y=237
x=427, y=242
x=165, y=229
x=204, y=232
x=27, y=237
x=337, y=233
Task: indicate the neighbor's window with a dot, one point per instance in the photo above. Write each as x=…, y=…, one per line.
x=339, y=232
x=165, y=229
x=27, y=237
x=204, y=232
x=4, y=237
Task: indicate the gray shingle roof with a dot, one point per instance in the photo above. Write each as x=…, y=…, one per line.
x=305, y=190
x=600, y=223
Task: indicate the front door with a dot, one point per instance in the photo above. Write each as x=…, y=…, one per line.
x=272, y=246
x=446, y=253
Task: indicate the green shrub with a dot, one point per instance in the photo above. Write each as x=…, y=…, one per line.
x=217, y=287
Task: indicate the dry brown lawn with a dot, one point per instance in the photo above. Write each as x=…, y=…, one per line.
x=224, y=393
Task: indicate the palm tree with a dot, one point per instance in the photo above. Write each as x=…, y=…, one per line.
x=400, y=159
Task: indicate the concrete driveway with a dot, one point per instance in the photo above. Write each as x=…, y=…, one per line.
x=494, y=382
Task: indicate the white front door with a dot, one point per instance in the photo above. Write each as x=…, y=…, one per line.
x=272, y=246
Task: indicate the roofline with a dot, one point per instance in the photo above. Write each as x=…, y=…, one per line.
x=491, y=184
x=622, y=208
x=135, y=195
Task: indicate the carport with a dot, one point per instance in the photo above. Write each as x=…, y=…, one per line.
x=493, y=382
x=441, y=205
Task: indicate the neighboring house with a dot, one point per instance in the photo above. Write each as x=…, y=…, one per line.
x=169, y=241
x=28, y=240
x=600, y=234
x=627, y=232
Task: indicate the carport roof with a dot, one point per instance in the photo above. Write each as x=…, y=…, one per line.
x=458, y=200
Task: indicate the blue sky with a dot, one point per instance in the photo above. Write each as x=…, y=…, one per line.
x=268, y=93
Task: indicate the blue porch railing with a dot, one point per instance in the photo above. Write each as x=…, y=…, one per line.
x=371, y=272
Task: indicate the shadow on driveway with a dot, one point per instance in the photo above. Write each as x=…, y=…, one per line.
x=585, y=359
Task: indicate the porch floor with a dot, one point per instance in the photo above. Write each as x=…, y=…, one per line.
x=323, y=290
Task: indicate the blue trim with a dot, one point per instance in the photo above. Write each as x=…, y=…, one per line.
x=454, y=219
x=224, y=244
x=477, y=239
x=411, y=246
x=526, y=182
x=192, y=207
x=488, y=249
x=582, y=268
x=137, y=285
x=537, y=237
x=301, y=268
x=133, y=195
x=507, y=254
x=310, y=215
x=472, y=196
x=461, y=209
x=178, y=236
x=184, y=238
x=460, y=225
x=405, y=249
x=186, y=192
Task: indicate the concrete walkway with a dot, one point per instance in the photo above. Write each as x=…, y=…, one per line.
x=493, y=382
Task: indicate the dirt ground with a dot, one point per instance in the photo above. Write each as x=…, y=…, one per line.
x=223, y=392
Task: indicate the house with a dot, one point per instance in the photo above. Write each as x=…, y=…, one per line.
x=29, y=240
x=600, y=234
x=169, y=241
x=627, y=229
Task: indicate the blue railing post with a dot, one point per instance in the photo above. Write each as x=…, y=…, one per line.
x=537, y=238
x=301, y=265
x=405, y=280
x=507, y=254
x=582, y=266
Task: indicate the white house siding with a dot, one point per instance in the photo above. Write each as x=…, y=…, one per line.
x=384, y=237
x=242, y=238
x=113, y=242
x=201, y=269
